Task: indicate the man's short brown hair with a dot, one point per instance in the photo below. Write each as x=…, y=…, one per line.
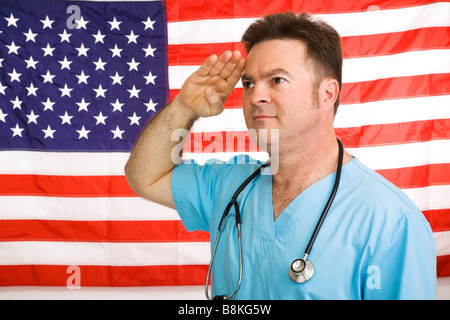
x=322, y=41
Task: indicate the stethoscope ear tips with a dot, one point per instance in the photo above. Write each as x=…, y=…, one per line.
x=301, y=270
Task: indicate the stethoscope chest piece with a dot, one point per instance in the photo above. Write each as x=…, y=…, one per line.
x=301, y=270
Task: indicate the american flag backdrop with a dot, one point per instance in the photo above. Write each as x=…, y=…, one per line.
x=79, y=80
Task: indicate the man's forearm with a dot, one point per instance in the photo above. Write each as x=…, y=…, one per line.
x=151, y=157
x=203, y=94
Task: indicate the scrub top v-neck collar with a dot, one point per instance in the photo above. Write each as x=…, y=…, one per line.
x=298, y=210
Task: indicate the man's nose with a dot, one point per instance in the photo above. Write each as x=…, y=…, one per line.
x=260, y=94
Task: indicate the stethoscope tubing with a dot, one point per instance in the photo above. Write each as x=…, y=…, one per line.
x=330, y=199
x=233, y=202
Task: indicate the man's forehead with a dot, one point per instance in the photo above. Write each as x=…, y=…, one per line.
x=268, y=74
x=275, y=57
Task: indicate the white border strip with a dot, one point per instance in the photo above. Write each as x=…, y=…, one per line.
x=103, y=293
x=136, y=293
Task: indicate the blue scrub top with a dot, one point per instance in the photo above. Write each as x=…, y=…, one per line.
x=374, y=243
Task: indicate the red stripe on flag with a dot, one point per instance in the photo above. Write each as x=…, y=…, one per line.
x=443, y=266
x=371, y=135
x=98, y=231
x=376, y=90
x=355, y=46
x=395, y=88
x=418, y=177
x=234, y=100
x=387, y=134
x=231, y=141
x=69, y=186
x=99, y=276
x=408, y=177
x=196, y=54
x=438, y=219
x=208, y=9
x=396, y=42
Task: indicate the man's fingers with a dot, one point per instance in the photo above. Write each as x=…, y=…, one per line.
x=221, y=63
x=206, y=67
x=236, y=75
x=226, y=65
x=230, y=67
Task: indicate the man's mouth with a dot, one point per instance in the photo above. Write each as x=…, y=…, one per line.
x=262, y=117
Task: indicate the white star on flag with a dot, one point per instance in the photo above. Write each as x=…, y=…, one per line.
x=48, y=132
x=47, y=23
x=12, y=21
x=83, y=133
x=117, y=133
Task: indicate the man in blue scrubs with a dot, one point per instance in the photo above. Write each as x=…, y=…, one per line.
x=374, y=242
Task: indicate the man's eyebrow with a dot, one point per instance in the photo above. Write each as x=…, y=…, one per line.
x=276, y=72
x=246, y=78
x=269, y=74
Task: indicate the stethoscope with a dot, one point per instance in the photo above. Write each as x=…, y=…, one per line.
x=300, y=270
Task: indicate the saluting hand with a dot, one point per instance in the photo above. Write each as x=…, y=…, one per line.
x=207, y=89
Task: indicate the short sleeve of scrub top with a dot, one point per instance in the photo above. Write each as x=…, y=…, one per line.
x=199, y=190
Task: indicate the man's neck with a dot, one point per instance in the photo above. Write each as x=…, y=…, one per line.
x=315, y=158
x=298, y=169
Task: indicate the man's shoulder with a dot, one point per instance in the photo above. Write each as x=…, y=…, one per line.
x=376, y=202
x=215, y=170
x=379, y=191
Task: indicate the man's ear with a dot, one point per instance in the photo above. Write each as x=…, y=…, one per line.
x=328, y=93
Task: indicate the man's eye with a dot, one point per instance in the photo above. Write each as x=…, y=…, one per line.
x=247, y=84
x=278, y=80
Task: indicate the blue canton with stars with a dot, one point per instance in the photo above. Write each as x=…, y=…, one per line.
x=80, y=76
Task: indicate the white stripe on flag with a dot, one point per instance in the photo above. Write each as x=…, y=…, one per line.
x=349, y=115
x=442, y=240
x=375, y=157
x=396, y=65
x=362, y=69
x=63, y=163
x=393, y=111
x=103, y=253
x=431, y=197
x=84, y=209
x=138, y=209
x=347, y=24
x=403, y=155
